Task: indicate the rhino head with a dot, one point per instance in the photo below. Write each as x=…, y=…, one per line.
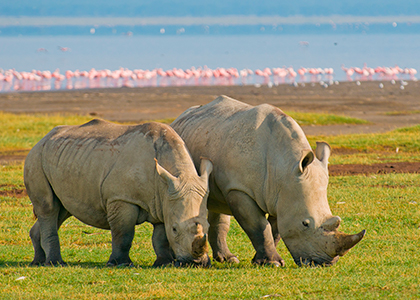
x=185, y=215
x=306, y=225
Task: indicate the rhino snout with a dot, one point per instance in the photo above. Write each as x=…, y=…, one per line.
x=199, y=246
x=203, y=261
x=316, y=262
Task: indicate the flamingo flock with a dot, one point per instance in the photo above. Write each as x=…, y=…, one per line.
x=379, y=73
x=36, y=80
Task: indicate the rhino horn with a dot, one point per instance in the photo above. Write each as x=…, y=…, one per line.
x=346, y=241
x=199, y=246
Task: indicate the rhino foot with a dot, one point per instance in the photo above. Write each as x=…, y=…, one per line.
x=55, y=264
x=273, y=263
x=37, y=263
x=115, y=264
x=227, y=259
x=276, y=261
x=162, y=262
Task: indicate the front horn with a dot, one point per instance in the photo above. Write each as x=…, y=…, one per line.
x=346, y=241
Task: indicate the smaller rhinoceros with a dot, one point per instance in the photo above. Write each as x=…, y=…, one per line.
x=114, y=177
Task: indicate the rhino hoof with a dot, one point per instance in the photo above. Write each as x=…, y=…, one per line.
x=273, y=263
x=125, y=264
x=277, y=263
x=232, y=260
x=55, y=264
x=161, y=262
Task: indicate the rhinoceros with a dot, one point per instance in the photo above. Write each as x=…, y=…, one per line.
x=114, y=177
x=265, y=175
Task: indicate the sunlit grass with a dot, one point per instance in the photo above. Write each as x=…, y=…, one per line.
x=23, y=131
x=402, y=113
x=323, y=119
x=404, y=139
x=385, y=264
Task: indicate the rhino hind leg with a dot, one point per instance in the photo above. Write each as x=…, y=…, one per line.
x=219, y=227
x=44, y=234
x=254, y=222
x=35, y=234
x=122, y=219
x=164, y=253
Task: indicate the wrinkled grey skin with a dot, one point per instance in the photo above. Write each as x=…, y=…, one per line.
x=264, y=165
x=114, y=177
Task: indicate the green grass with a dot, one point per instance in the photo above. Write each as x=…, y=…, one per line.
x=402, y=113
x=323, y=119
x=398, y=145
x=23, y=131
x=385, y=264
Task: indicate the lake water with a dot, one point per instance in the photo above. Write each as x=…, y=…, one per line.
x=26, y=53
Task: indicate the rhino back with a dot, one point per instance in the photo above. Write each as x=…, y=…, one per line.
x=252, y=148
x=99, y=161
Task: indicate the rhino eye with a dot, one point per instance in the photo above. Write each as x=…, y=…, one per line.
x=173, y=229
x=305, y=223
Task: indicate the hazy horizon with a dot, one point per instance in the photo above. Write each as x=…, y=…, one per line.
x=189, y=21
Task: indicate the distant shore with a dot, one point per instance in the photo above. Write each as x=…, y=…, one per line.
x=191, y=21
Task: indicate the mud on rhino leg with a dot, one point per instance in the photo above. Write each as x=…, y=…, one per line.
x=164, y=253
x=219, y=227
x=122, y=219
x=253, y=221
x=35, y=234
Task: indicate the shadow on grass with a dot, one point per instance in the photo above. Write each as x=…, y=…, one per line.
x=70, y=264
x=102, y=265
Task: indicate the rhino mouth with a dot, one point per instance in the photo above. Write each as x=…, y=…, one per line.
x=203, y=261
x=316, y=262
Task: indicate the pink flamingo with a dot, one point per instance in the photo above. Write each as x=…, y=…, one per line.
x=63, y=49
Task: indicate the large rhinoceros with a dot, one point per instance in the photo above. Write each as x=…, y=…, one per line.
x=264, y=166
x=114, y=177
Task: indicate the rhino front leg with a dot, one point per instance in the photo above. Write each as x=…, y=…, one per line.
x=164, y=253
x=122, y=219
x=219, y=227
x=253, y=221
x=274, y=230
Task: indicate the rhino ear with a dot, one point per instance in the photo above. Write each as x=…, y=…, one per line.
x=168, y=177
x=323, y=152
x=205, y=168
x=306, y=160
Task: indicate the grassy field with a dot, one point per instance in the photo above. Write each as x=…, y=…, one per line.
x=385, y=264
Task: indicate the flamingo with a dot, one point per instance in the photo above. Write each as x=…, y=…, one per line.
x=63, y=49
x=37, y=79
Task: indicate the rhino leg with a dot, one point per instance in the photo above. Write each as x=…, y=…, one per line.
x=35, y=234
x=219, y=227
x=253, y=221
x=122, y=219
x=44, y=234
x=274, y=230
x=164, y=253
